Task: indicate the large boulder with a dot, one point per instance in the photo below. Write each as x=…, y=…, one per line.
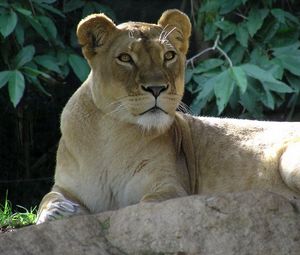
x=78, y=235
x=237, y=223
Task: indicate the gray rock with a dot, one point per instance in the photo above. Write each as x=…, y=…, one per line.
x=237, y=223
x=77, y=235
x=243, y=223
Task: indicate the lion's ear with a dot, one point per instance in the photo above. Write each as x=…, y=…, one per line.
x=175, y=18
x=93, y=31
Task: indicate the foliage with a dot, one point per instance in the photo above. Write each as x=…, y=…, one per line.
x=255, y=62
x=11, y=219
x=34, y=43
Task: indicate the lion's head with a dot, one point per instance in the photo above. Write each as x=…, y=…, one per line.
x=137, y=68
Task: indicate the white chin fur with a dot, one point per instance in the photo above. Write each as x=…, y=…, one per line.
x=159, y=121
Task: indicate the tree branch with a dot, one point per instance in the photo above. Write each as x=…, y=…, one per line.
x=213, y=48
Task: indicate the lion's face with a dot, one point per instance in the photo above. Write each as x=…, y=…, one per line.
x=137, y=68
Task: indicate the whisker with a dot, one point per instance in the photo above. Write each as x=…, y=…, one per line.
x=163, y=37
x=118, y=109
x=118, y=100
x=115, y=103
x=167, y=34
x=182, y=107
x=163, y=32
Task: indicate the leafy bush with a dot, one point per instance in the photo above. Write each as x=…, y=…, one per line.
x=254, y=65
x=34, y=43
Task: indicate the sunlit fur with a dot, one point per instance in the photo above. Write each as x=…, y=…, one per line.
x=160, y=121
x=118, y=149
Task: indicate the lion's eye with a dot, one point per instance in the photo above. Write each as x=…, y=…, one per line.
x=124, y=57
x=169, y=55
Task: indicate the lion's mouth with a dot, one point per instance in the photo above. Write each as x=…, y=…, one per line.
x=153, y=110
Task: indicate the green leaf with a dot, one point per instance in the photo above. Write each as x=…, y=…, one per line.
x=52, y=9
x=229, y=5
x=188, y=75
x=294, y=81
x=62, y=56
x=268, y=99
x=229, y=44
x=292, y=18
x=237, y=54
x=33, y=72
x=240, y=78
x=79, y=66
x=24, y=56
x=73, y=5
x=279, y=87
x=242, y=34
x=289, y=57
x=276, y=69
x=286, y=50
x=279, y=15
x=282, y=16
x=19, y=32
x=45, y=1
x=210, y=31
x=206, y=85
x=223, y=87
x=8, y=22
x=211, y=6
x=227, y=27
x=23, y=11
x=260, y=58
x=266, y=78
x=16, y=87
x=37, y=84
x=200, y=80
x=35, y=23
x=48, y=25
x=234, y=98
x=5, y=4
x=248, y=100
x=269, y=30
x=291, y=63
x=4, y=77
x=48, y=62
x=206, y=90
x=255, y=20
x=208, y=64
x=35, y=81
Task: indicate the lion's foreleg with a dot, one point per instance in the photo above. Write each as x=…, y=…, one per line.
x=290, y=166
x=163, y=192
x=56, y=205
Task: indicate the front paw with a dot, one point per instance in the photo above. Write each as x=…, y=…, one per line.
x=57, y=210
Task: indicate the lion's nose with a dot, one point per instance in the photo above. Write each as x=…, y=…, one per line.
x=155, y=90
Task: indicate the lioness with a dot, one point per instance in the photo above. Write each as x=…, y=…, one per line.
x=123, y=141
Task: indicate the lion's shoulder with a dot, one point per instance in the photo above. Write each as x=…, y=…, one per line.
x=79, y=115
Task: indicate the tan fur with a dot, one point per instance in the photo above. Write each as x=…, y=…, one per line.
x=115, y=152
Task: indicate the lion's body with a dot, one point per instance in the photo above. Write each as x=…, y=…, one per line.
x=235, y=155
x=123, y=141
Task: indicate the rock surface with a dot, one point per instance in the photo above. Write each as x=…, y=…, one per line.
x=237, y=223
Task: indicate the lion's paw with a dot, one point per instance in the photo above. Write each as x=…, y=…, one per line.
x=57, y=210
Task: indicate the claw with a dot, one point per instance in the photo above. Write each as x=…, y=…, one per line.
x=65, y=206
x=58, y=210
